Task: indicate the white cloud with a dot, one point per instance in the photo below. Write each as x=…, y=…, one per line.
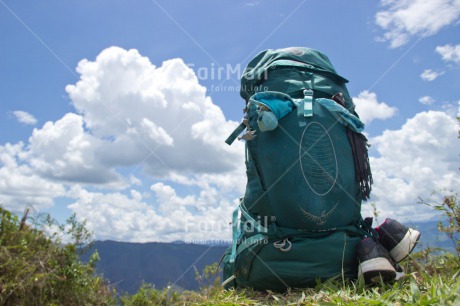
x=414, y=161
x=145, y=112
x=368, y=108
x=134, y=180
x=132, y=118
x=168, y=200
x=402, y=19
x=449, y=53
x=133, y=114
x=20, y=186
x=64, y=151
x=430, y=75
x=156, y=133
x=129, y=218
x=202, y=211
x=25, y=117
x=426, y=100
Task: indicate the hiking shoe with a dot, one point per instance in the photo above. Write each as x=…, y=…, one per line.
x=398, y=239
x=374, y=262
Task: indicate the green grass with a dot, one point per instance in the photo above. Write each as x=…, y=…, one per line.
x=410, y=291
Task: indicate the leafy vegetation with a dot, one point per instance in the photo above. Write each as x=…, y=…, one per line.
x=449, y=206
x=38, y=269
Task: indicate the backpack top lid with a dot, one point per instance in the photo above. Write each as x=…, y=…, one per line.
x=299, y=57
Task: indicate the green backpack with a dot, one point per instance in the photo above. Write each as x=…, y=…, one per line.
x=307, y=173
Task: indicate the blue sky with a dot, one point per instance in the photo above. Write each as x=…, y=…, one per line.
x=115, y=110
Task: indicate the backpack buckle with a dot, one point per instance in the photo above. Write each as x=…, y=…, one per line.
x=308, y=102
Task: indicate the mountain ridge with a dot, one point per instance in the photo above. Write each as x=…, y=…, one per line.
x=127, y=265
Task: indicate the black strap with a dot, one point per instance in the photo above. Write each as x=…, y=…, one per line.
x=363, y=174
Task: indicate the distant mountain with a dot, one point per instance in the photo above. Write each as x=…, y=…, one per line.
x=128, y=265
x=431, y=236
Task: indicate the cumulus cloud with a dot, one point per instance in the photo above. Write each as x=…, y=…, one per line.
x=134, y=123
x=130, y=218
x=133, y=114
x=426, y=100
x=369, y=108
x=402, y=20
x=20, y=186
x=64, y=151
x=25, y=117
x=449, y=53
x=430, y=75
x=189, y=208
x=160, y=117
x=414, y=161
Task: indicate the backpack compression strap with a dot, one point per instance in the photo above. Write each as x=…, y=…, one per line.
x=363, y=174
x=238, y=231
x=239, y=129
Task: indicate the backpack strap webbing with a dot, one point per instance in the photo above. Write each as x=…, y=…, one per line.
x=239, y=129
x=363, y=174
x=237, y=228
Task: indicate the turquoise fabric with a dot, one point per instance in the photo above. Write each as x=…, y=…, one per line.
x=259, y=238
x=342, y=114
x=287, y=70
x=278, y=103
x=257, y=226
x=236, y=231
x=305, y=174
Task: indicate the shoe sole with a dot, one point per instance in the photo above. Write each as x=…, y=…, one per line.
x=375, y=269
x=405, y=246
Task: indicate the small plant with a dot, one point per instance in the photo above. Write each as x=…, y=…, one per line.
x=210, y=276
x=148, y=295
x=38, y=269
x=449, y=206
x=451, y=210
